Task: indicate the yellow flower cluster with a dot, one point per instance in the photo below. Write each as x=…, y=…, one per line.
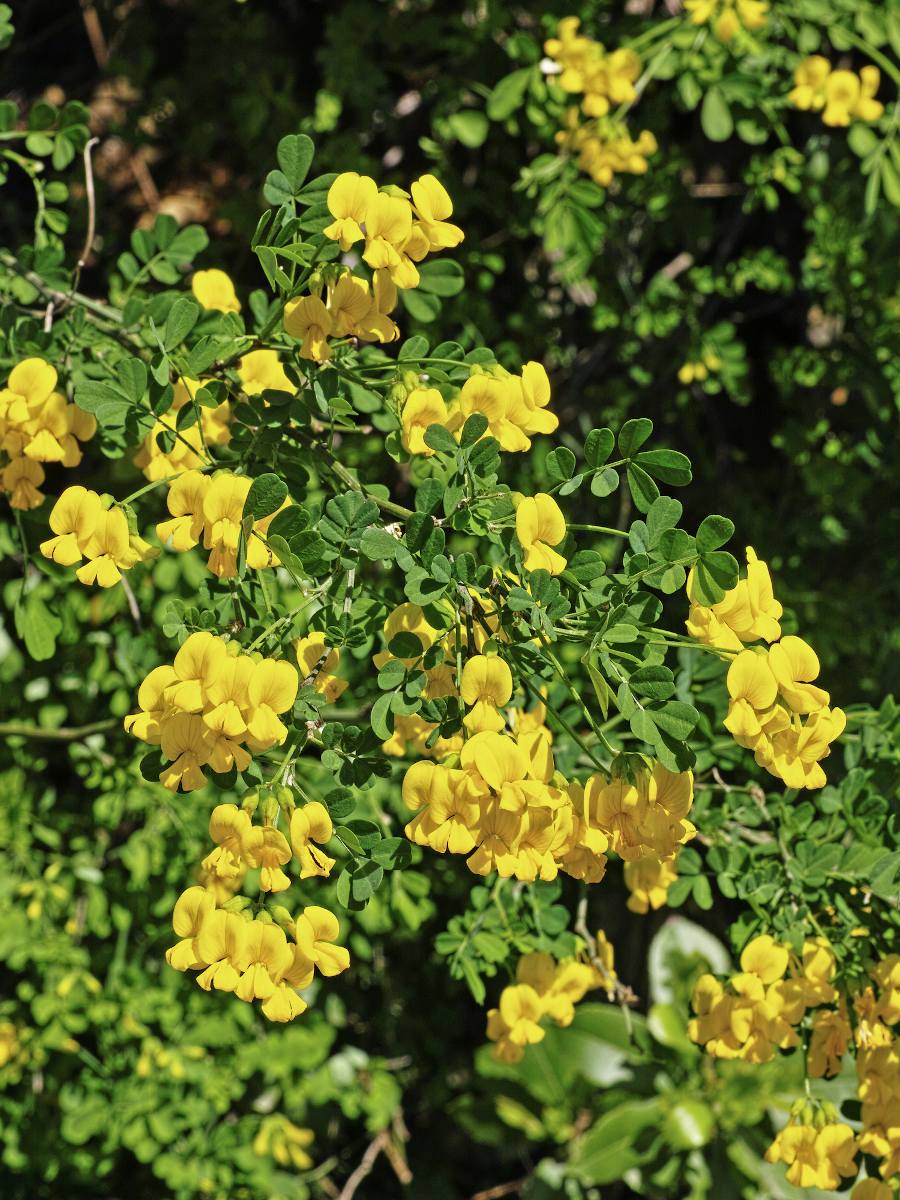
x=543, y=988
x=37, y=426
x=601, y=140
x=697, y=370
x=399, y=229
x=252, y=957
x=92, y=527
x=213, y=706
x=506, y=808
x=587, y=69
x=604, y=148
x=285, y=1142
x=759, y=1009
x=770, y=691
x=648, y=880
x=515, y=406
x=188, y=445
x=878, y=1065
x=818, y=1149
x=212, y=506
x=728, y=17
x=841, y=96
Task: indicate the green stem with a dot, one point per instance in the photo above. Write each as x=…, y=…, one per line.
x=62, y=734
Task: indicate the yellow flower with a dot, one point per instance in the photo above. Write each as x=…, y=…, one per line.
x=648, y=880
x=764, y=958
x=831, y=1037
x=433, y=207
x=842, y=93
x=487, y=685
x=261, y=370
x=222, y=943
x=268, y=956
x=753, y=689
x=214, y=290
x=185, y=503
x=521, y=1011
x=816, y=1158
x=311, y=827
x=809, y=78
x=540, y=525
x=191, y=909
x=423, y=407
x=285, y=1142
x=185, y=742
x=197, y=664
x=307, y=318
x=271, y=691
x=272, y=854
x=867, y=107
x=349, y=303
x=311, y=651
x=237, y=842
x=107, y=550
x=21, y=480
x=73, y=519
x=316, y=930
x=349, y=198
x=388, y=221
x=728, y=17
x=794, y=665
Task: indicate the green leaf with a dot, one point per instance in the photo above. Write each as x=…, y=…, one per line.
x=714, y=575
x=657, y=683
x=714, y=531
x=609, y=1148
x=277, y=191
x=633, y=434
x=378, y=544
x=267, y=494
x=181, y=320
x=598, y=445
x=643, y=490
x=380, y=717
x=104, y=402
x=475, y=427
x=441, y=276
x=469, y=127
x=667, y=465
x=413, y=349
x=508, y=94
x=295, y=155
x=715, y=116
x=677, y=719
x=38, y=627
x=605, y=482
x=441, y=439
x=560, y=464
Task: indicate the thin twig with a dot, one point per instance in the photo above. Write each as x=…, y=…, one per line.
x=366, y=1165
x=92, y=209
x=502, y=1189
x=62, y=734
x=132, y=602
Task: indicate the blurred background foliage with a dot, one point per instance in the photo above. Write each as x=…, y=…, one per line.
x=752, y=250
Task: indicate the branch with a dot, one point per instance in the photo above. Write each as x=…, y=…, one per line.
x=62, y=734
